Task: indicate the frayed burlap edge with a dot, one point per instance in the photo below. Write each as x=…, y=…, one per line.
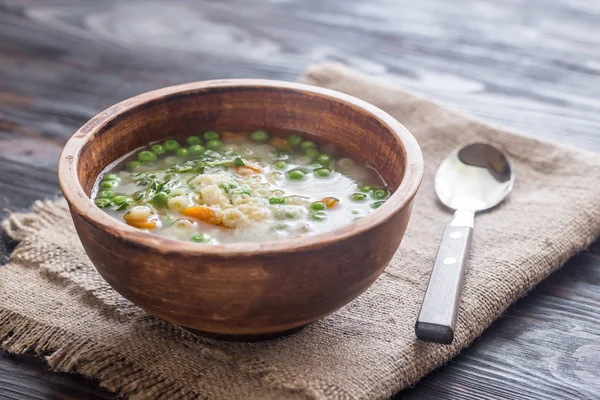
x=69, y=353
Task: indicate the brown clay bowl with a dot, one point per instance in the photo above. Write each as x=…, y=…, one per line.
x=242, y=289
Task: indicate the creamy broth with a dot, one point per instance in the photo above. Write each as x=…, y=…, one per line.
x=222, y=187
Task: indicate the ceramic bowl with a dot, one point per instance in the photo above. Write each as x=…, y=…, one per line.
x=242, y=290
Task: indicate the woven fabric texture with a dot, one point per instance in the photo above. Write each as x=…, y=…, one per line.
x=52, y=300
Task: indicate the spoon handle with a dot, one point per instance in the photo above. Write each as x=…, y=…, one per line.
x=439, y=310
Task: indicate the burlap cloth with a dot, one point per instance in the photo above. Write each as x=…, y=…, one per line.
x=53, y=302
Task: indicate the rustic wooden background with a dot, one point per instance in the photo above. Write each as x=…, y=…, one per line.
x=533, y=65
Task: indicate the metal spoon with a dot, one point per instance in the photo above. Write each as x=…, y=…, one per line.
x=474, y=178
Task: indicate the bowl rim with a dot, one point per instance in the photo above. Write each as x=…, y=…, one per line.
x=84, y=206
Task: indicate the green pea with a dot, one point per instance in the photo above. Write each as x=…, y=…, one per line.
x=107, y=194
x=108, y=184
x=377, y=204
x=193, y=140
x=157, y=149
x=111, y=177
x=197, y=149
x=312, y=152
x=183, y=153
x=211, y=135
x=365, y=188
x=318, y=215
x=214, y=144
x=146, y=156
x=358, y=197
x=171, y=145
x=198, y=238
x=315, y=166
x=103, y=202
x=379, y=194
x=308, y=144
x=160, y=200
x=118, y=200
x=324, y=159
x=260, y=136
x=280, y=165
x=131, y=165
x=295, y=140
x=277, y=200
x=296, y=175
x=318, y=205
x=323, y=172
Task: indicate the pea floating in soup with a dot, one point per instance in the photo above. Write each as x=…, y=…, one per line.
x=221, y=187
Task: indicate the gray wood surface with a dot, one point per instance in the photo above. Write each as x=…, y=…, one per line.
x=533, y=65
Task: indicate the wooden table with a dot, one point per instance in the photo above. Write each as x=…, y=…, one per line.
x=533, y=65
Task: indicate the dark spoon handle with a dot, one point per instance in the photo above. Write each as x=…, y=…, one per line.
x=438, y=315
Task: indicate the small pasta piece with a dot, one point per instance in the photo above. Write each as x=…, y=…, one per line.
x=183, y=223
x=140, y=212
x=233, y=218
x=288, y=212
x=178, y=192
x=254, y=212
x=140, y=217
x=179, y=203
x=297, y=200
x=213, y=195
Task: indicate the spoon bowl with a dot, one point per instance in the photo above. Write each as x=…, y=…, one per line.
x=476, y=177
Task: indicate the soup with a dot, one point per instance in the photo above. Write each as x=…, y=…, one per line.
x=222, y=187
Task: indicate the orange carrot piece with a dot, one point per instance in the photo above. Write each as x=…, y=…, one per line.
x=247, y=167
x=203, y=213
x=330, y=201
x=230, y=136
x=140, y=223
x=279, y=143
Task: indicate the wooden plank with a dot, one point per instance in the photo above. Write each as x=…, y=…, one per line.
x=533, y=65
